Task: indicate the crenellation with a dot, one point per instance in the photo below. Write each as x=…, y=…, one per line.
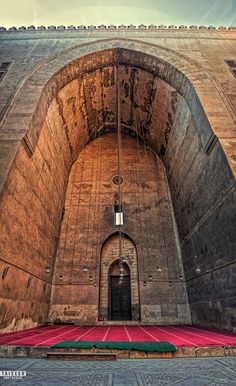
x=122, y=26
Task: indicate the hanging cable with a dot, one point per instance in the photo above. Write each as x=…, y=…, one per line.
x=162, y=217
x=142, y=130
x=121, y=267
x=66, y=225
x=98, y=175
x=77, y=215
x=143, y=267
x=86, y=266
x=97, y=210
x=147, y=230
x=142, y=134
x=93, y=204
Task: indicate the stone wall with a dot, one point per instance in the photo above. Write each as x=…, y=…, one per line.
x=89, y=219
x=203, y=193
x=31, y=207
x=178, y=94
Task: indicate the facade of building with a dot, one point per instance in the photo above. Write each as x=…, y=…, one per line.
x=95, y=122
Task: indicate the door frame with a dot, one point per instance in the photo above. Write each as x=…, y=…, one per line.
x=110, y=298
x=108, y=257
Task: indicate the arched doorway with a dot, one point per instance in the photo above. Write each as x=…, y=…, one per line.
x=119, y=294
x=119, y=302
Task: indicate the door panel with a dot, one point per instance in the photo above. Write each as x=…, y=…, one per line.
x=120, y=298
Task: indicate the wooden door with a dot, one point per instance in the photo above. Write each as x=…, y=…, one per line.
x=120, y=296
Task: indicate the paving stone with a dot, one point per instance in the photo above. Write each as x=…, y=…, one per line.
x=138, y=372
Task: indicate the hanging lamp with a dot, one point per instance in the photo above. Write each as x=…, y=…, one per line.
x=118, y=206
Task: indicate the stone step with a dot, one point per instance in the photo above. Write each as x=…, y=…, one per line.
x=78, y=356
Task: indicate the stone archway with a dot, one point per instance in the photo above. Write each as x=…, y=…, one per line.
x=56, y=126
x=109, y=255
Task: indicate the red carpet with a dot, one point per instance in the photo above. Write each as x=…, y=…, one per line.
x=177, y=335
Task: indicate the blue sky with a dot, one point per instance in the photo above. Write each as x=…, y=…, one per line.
x=56, y=12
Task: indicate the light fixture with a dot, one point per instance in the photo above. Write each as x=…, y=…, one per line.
x=144, y=282
x=150, y=277
x=198, y=270
x=119, y=218
x=90, y=277
x=122, y=271
x=85, y=268
x=47, y=269
x=60, y=277
x=121, y=267
x=159, y=268
x=181, y=277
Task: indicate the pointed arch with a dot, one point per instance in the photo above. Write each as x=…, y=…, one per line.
x=109, y=257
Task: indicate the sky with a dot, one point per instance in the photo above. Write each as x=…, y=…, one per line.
x=76, y=12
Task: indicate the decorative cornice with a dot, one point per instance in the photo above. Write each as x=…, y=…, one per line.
x=114, y=27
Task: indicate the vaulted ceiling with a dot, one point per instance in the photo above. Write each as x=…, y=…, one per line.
x=147, y=104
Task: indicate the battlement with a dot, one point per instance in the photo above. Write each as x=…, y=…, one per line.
x=115, y=27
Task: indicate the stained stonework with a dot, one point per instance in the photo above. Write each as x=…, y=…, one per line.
x=109, y=255
x=29, y=234
x=178, y=95
x=89, y=219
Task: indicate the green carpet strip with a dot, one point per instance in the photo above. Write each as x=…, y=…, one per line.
x=139, y=346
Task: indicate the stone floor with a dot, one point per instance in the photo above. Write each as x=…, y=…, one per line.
x=162, y=372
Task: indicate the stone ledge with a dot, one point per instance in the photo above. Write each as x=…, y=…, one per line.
x=182, y=352
x=81, y=356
